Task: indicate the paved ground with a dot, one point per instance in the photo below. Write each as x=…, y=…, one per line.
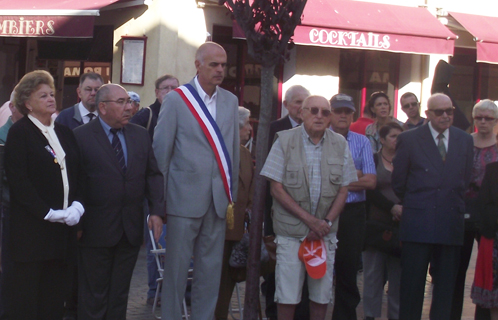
x=138, y=310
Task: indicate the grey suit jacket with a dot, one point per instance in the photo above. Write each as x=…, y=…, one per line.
x=431, y=190
x=192, y=178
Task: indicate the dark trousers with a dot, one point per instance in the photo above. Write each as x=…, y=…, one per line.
x=35, y=290
x=350, y=236
x=465, y=254
x=104, y=280
x=415, y=258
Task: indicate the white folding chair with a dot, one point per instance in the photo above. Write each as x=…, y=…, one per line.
x=239, y=308
x=159, y=257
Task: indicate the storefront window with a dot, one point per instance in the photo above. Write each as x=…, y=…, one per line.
x=489, y=81
x=364, y=72
x=9, y=64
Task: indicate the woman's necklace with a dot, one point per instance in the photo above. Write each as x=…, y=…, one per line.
x=390, y=162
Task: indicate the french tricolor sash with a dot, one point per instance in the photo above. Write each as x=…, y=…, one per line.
x=212, y=132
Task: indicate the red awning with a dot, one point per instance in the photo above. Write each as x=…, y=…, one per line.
x=374, y=26
x=49, y=18
x=485, y=32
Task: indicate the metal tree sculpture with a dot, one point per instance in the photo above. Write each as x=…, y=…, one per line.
x=268, y=26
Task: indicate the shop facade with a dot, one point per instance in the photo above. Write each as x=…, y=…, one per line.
x=355, y=47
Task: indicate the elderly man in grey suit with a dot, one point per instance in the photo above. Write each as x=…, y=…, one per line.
x=194, y=122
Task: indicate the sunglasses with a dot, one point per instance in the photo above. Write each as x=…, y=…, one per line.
x=487, y=119
x=314, y=111
x=346, y=111
x=408, y=105
x=439, y=112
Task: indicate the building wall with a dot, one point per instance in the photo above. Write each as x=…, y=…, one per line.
x=174, y=31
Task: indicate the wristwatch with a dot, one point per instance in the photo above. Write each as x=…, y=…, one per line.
x=330, y=223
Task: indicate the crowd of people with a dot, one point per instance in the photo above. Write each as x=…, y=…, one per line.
x=82, y=188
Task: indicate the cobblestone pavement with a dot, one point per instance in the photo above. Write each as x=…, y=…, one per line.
x=139, y=310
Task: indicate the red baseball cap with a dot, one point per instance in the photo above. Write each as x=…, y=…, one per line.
x=314, y=256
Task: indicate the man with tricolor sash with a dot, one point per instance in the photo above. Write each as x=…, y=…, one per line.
x=196, y=142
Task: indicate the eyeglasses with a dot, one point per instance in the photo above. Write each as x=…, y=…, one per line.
x=439, y=112
x=121, y=101
x=487, y=119
x=314, y=111
x=408, y=105
x=168, y=87
x=346, y=111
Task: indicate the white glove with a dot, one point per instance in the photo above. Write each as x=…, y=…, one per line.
x=74, y=213
x=56, y=216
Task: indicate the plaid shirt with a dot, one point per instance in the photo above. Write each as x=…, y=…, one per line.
x=274, y=166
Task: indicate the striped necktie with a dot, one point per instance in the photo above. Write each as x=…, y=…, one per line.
x=118, y=149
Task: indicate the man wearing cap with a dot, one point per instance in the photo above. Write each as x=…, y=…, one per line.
x=411, y=106
x=309, y=169
x=135, y=102
x=86, y=110
x=352, y=227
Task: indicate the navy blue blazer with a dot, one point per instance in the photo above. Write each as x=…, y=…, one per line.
x=70, y=117
x=431, y=190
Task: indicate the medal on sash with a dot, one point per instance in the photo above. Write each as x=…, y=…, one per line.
x=215, y=139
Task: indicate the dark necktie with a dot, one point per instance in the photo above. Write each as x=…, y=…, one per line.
x=90, y=116
x=441, y=147
x=118, y=149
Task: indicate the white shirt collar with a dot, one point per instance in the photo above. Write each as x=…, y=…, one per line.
x=84, y=111
x=435, y=134
x=210, y=102
x=293, y=123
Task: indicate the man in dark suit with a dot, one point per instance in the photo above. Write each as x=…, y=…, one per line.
x=120, y=171
x=293, y=100
x=432, y=170
x=85, y=110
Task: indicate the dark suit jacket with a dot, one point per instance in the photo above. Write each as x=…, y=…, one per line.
x=36, y=187
x=277, y=126
x=142, y=117
x=431, y=190
x=488, y=201
x=70, y=117
x=113, y=200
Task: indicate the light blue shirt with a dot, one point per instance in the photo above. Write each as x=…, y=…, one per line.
x=361, y=151
x=110, y=135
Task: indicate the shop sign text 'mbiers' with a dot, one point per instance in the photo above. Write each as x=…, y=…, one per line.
x=47, y=26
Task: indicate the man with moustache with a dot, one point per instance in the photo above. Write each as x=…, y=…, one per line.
x=120, y=171
x=309, y=169
x=352, y=224
x=85, y=110
x=432, y=170
x=199, y=190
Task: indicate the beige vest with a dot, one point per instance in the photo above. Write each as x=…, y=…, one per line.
x=296, y=182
